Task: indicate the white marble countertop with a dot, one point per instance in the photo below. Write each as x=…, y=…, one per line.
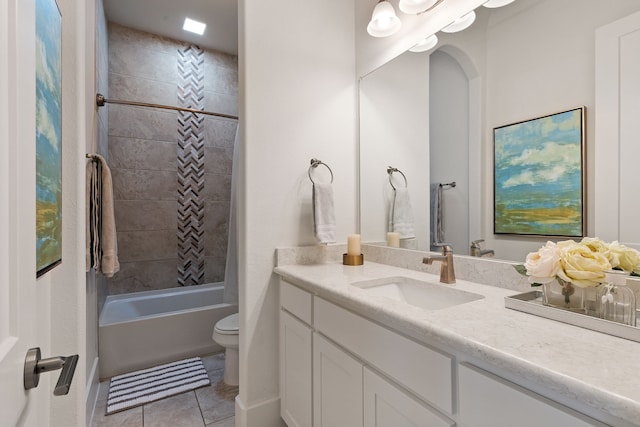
x=598, y=370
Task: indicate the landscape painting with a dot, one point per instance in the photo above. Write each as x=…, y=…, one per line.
x=48, y=136
x=539, y=176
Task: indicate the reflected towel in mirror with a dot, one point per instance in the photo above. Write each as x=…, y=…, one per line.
x=324, y=218
x=401, y=214
x=436, y=227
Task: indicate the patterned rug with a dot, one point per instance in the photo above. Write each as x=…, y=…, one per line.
x=148, y=385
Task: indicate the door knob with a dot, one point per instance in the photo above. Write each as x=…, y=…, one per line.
x=34, y=365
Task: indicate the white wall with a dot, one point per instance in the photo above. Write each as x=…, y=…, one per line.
x=297, y=101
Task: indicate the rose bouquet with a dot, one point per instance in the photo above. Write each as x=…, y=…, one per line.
x=583, y=264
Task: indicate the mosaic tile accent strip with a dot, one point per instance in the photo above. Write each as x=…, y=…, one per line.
x=191, y=167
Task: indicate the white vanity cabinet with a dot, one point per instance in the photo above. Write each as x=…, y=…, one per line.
x=350, y=360
x=339, y=369
x=487, y=400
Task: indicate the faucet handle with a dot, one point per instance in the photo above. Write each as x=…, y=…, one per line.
x=446, y=247
x=476, y=243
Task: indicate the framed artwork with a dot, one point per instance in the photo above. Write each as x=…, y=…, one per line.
x=539, y=176
x=48, y=136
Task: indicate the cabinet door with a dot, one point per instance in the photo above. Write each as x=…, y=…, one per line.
x=490, y=401
x=295, y=371
x=337, y=386
x=385, y=405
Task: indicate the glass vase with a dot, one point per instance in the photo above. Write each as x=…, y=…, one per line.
x=562, y=294
x=616, y=302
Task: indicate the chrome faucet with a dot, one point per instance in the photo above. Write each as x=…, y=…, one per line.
x=479, y=252
x=447, y=274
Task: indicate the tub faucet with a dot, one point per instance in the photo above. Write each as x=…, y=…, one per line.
x=447, y=274
x=476, y=250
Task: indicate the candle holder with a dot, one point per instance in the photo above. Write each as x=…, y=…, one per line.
x=352, y=259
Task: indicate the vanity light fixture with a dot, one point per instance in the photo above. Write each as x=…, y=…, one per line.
x=384, y=21
x=497, y=3
x=194, y=26
x=461, y=23
x=425, y=44
x=416, y=6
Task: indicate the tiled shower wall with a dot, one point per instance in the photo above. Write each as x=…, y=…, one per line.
x=143, y=148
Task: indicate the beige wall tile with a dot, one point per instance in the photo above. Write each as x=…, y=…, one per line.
x=132, y=184
x=133, y=153
x=147, y=245
x=140, y=215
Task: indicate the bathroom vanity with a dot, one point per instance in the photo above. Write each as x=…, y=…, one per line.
x=355, y=351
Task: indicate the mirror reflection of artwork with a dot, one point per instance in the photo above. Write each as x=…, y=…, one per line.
x=539, y=176
x=48, y=136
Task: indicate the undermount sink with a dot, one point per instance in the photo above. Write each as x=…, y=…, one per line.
x=419, y=293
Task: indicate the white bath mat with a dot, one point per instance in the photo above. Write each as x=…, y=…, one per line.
x=148, y=385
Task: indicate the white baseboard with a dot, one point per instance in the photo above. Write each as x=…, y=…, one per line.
x=262, y=414
x=93, y=386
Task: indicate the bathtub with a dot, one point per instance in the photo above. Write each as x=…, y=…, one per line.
x=144, y=329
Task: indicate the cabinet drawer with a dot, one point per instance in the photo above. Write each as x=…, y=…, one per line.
x=385, y=405
x=490, y=401
x=424, y=371
x=296, y=301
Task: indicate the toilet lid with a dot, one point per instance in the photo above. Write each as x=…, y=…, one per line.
x=228, y=325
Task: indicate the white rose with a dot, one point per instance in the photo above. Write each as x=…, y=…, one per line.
x=543, y=266
x=595, y=244
x=624, y=257
x=580, y=265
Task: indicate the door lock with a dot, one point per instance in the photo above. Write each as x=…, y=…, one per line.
x=34, y=365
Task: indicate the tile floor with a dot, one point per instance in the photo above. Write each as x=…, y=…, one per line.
x=212, y=406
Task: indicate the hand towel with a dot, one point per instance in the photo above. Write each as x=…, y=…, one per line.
x=324, y=218
x=109, y=264
x=103, y=252
x=401, y=215
x=436, y=226
x=93, y=215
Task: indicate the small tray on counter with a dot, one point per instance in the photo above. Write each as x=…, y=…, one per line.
x=531, y=302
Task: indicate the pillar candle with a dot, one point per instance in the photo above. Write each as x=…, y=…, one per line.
x=393, y=240
x=353, y=244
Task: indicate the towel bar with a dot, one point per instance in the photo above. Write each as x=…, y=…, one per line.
x=390, y=171
x=314, y=164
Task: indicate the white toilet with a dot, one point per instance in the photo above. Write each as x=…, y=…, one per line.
x=226, y=334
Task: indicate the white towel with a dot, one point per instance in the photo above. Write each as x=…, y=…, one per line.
x=401, y=215
x=324, y=218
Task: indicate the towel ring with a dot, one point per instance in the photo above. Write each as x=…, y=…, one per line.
x=390, y=171
x=314, y=164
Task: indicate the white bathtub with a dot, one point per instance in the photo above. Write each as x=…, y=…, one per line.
x=143, y=329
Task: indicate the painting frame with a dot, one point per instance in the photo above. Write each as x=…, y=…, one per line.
x=48, y=136
x=539, y=176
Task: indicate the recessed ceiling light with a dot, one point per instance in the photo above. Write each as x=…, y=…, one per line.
x=194, y=26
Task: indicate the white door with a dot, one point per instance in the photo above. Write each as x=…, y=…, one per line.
x=24, y=301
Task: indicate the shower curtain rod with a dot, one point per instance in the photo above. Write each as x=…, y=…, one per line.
x=101, y=100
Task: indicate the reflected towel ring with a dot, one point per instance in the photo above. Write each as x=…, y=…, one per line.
x=314, y=164
x=390, y=171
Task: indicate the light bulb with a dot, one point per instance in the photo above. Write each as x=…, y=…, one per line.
x=461, y=23
x=384, y=21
